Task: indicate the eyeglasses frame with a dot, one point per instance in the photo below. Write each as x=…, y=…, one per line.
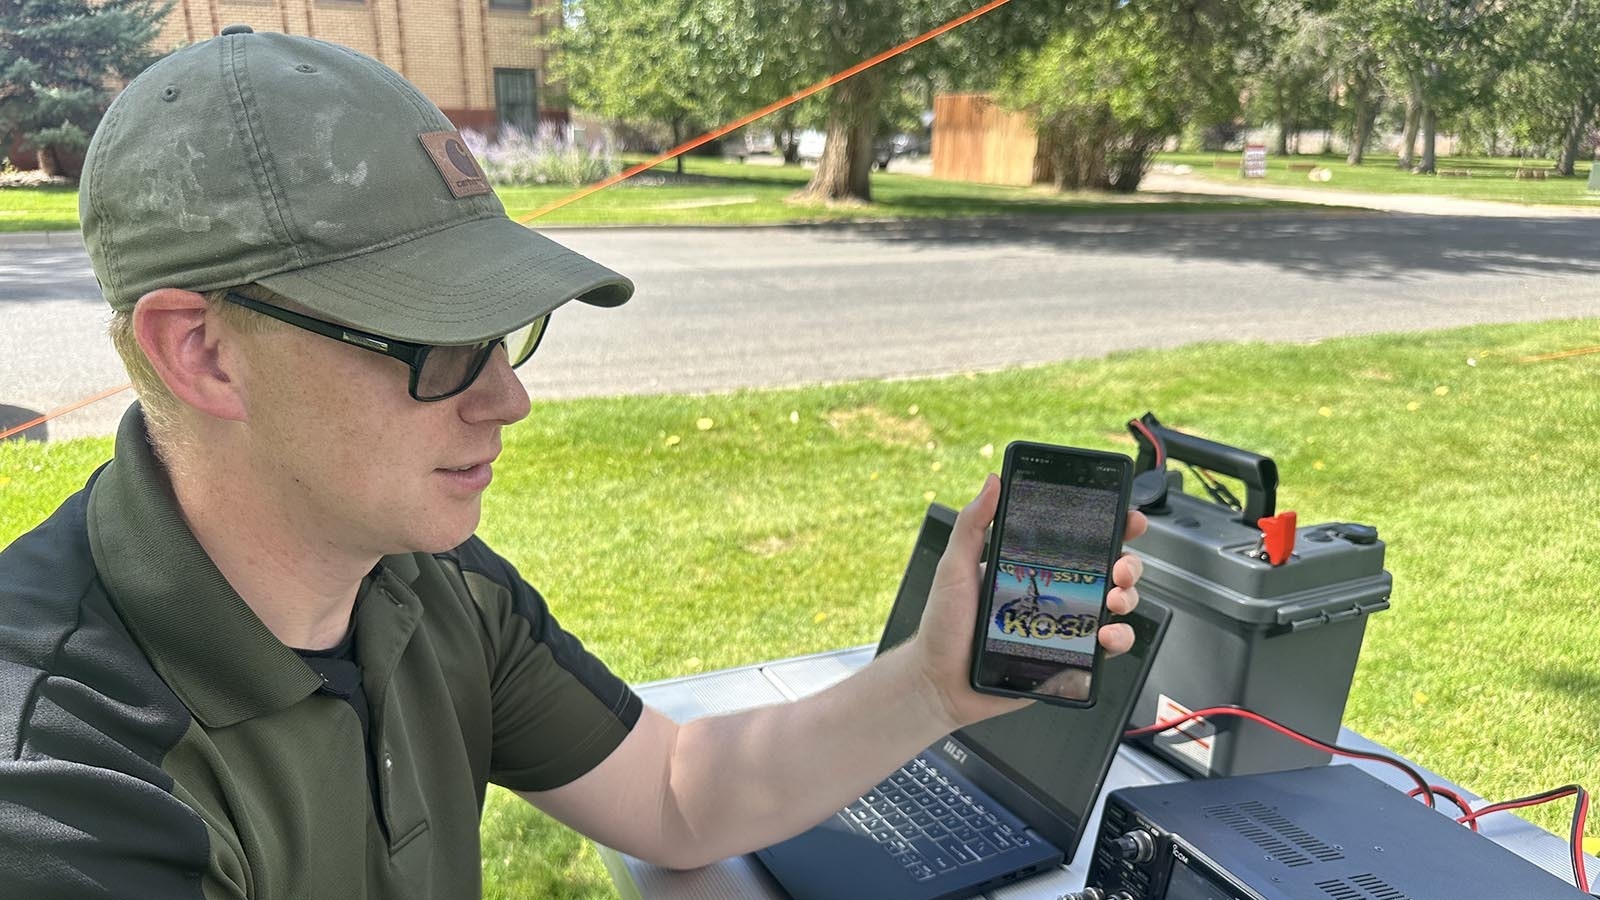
x=412, y=354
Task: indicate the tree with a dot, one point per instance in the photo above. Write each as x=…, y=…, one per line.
x=848, y=31
x=629, y=60
x=57, y=58
x=1553, y=91
x=1362, y=73
x=1450, y=52
x=1107, y=93
x=1292, y=85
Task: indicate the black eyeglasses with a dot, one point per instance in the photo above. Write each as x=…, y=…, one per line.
x=438, y=371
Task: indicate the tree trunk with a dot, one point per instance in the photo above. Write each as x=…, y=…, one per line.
x=1582, y=112
x=1430, y=137
x=48, y=164
x=1408, y=140
x=677, y=138
x=846, y=163
x=1366, y=114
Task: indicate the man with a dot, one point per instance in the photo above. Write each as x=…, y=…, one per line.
x=261, y=654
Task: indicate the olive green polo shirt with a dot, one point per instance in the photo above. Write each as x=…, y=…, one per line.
x=156, y=740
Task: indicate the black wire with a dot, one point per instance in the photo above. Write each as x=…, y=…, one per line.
x=1427, y=792
x=1218, y=491
x=1578, y=811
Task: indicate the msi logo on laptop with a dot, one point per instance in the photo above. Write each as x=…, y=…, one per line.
x=955, y=753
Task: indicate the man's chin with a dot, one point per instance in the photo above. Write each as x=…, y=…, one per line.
x=445, y=534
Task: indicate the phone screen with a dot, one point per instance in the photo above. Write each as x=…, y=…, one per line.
x=1056, y=536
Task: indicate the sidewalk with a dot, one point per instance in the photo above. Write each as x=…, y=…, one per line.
x=1415, y=204
x=41, y=240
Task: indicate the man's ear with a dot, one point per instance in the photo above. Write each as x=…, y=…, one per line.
x=185, y=349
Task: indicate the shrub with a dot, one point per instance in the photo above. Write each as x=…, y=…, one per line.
x=550, y=156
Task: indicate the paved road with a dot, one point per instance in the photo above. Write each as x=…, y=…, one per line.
x=724, y=308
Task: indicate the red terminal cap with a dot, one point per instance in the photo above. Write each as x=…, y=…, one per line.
x=1277, y=536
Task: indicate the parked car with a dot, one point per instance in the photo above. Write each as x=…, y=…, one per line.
x=810, y=145
x=887, y=148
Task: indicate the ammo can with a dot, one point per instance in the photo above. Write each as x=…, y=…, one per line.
x=1280, y=640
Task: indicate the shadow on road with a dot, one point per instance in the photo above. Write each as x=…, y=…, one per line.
x=1324, y=244
x=11, y=416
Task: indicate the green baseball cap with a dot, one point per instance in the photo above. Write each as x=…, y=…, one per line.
x=320, y=174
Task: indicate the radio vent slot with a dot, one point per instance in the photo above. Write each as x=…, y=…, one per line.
x=1264, y=826
x=1361, y=887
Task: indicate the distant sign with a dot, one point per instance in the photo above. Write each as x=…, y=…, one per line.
x=1255, y=161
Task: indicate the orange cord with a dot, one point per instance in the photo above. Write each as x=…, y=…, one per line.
x=63, y=411
x=742, y=121
x=629, y=173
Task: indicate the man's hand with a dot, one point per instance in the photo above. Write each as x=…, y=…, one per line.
x=944, y=641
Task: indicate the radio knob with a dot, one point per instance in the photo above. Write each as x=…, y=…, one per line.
x=1135, y=846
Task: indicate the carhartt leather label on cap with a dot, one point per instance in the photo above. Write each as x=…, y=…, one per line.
x=454, y=161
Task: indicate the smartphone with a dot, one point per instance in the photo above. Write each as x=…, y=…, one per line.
x=1057, y=533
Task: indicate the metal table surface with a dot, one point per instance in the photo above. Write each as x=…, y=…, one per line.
x=729, y=690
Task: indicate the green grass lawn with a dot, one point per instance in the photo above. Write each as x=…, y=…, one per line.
x=680, y=534
x=1491, y=179
x=38, y=209
x=727, y=193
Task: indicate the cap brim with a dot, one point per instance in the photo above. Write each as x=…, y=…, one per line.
x=471, y=282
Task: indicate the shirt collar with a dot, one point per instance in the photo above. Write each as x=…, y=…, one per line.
x=208, y=645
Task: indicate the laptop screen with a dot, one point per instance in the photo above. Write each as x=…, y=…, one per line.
x=1059, y=756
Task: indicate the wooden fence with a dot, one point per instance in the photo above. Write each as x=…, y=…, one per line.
x=976, y=140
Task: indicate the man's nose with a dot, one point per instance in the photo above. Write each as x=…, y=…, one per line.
x=497, y=394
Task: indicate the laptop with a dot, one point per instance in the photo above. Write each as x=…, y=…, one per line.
x=986, y=805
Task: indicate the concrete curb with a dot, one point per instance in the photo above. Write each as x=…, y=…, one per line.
x=39, y=240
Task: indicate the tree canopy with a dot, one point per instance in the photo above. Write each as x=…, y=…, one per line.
x=1109, y=80
x=58, y=63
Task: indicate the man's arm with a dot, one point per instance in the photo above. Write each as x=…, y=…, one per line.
x=687, y=795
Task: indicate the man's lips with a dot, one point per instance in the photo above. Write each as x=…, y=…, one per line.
x=472, y=476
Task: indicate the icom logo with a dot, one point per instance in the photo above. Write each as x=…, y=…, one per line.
x=955, y=752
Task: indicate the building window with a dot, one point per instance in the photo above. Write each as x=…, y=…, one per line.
x=511, y=4
x=515, y=101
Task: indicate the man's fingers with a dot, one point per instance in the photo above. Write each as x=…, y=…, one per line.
x=1122, y=600
x=1128, y=570
x=966, y=539
x=1116, y=638
x=1137, y=525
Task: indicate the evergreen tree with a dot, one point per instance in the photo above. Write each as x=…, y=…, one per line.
x=58, y=59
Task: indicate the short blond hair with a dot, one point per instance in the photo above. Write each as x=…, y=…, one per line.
x=161, y=408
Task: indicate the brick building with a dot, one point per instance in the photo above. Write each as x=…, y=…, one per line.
x=478, y=60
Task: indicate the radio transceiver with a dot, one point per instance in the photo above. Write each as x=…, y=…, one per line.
x=1325, y=833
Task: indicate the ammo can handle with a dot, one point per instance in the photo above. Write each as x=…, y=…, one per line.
x=1259, y=473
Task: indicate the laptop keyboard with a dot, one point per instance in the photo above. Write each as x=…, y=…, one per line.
x=927, y=824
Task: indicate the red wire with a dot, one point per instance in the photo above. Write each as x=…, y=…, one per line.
x=1450, y=795
x=1240, y=712
x=1578, y=863
x=1521, y=803
x=1579, y=816
x=1427, y=791
x=1161, y=452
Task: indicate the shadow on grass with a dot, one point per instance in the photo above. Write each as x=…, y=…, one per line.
x=1581, y=685
x=1334, y=245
